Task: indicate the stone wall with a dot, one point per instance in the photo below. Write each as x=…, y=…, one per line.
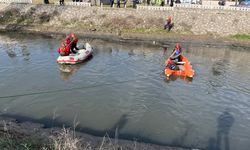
x=187, y=21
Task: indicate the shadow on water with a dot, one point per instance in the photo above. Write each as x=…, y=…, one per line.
x=184, y=136
x=224, y=124
x=66, y=71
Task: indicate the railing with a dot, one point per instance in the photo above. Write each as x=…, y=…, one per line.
x=154, y=7
x=194, y=6
x=83, y=4
x=15, y=1
x=212, y=7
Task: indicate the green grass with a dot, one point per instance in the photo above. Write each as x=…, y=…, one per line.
x=143, y=30
x=22, y=144
x=241, y=36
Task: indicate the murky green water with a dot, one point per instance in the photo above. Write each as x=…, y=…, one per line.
x=123, y=87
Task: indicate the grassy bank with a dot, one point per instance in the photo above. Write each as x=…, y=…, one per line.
x=243, y=37
x=8, y=143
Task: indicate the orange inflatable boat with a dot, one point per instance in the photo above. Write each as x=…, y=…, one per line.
x=185, y=69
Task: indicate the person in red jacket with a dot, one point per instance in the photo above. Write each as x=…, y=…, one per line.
x=64, y=49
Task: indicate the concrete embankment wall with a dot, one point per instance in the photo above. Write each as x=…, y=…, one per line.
x=113, y=20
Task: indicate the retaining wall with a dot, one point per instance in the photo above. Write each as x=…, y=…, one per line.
x=187, y=21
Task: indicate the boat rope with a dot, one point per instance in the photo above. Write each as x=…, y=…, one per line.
x=71, y=89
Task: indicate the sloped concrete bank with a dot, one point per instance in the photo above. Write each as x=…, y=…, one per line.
x=130, y=25
x=16, y=134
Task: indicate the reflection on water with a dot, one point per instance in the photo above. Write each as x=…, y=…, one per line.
x=66, y=71
x=174, y=78
x=122, y=90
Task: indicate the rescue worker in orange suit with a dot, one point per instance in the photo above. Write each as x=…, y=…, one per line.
x=64, y=49
x=169, y=23
x=73, y=43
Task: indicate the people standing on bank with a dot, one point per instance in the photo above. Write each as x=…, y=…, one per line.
x=162, y=2
x=148, y=2
x=125, y=3
x=46, y=1
x=171, y=3
x=61, y=2
x=111, y=3
x=118, y=4
x=134, y=3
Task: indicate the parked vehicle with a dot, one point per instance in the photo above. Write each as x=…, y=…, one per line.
x=244, y=3
x=222, y=2
x=190, y=1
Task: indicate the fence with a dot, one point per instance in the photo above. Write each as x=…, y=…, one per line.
x=83, y=4
x=193, y=6
x=15, y=1
x=140, y=7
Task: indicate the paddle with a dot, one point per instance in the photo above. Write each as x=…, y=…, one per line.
x=170, y=57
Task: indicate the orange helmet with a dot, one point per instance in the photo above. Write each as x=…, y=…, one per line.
x=177, y=46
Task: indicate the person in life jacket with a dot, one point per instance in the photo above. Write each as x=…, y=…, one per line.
x=73, y=43
x=176, y=56
x=169, y=23
x=64, y=49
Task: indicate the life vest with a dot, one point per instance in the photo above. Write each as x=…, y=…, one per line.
x=177, y=52
x=67, y=41
x=64, y=49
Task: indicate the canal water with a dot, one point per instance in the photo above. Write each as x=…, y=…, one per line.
x=123, y=87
